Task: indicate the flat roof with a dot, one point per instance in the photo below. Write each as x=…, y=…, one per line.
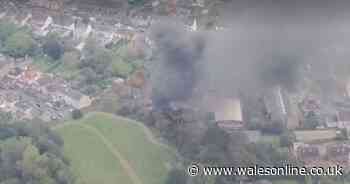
x=227, y=109
x=315, y=135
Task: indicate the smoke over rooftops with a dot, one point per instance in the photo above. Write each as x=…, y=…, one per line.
x=268, y=44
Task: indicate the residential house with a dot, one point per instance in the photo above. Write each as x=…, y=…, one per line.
x=29, y=76
x=28, y=94
x=322, y=155
x=306, y=153
x=338, y=153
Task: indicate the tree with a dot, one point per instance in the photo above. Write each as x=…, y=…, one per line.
x=53, y=48
x=287, y=139
x=31, y=159
x=267, y=154
x=121, y=68
x=311, y=121
x=88, y=76
x=215, y=136
x=5, y=117
x=273, y=127
x=71, y=60
x=98, y=59
x=77, y=114
x=135, y=2
x=19, y=44
x=254, y=124
x=101, y=61
x=176, y=176
x=32, y=154
x=342, y=135
x=11, y=181
x=6, y=29
x=90, y=90
x=214, y=144
x=109, y=102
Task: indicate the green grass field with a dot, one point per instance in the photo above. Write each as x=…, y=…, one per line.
x=271, y=139
x=108, y=149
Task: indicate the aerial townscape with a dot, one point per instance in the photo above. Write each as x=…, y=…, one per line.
x=138, y=91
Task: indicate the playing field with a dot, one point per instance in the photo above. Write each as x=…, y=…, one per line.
x=107, y=149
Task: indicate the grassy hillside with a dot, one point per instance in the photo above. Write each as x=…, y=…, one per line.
x=92, y=162
x=107, y=149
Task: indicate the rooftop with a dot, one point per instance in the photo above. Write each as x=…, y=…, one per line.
x=225, y=109
x=315, y=135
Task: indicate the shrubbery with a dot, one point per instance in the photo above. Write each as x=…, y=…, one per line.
x=287, y=139
x=31, y=153
x=77, y=114
x=19, y=44
x=99, y=65
x=53, y=48
x=71, y=60
x=6, y=29
x=176, y=176
x=136, y=2
x=121, y=68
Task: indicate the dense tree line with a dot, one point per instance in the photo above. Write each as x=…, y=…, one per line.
x=31, y=153
x=200, y=140
x=16, y=42
x=97, y=65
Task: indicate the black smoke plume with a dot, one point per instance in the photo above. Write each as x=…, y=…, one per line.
x=174, y=74
x=266, y=44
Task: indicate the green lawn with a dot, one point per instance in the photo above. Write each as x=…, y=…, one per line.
x=94, y=162
x=43, y=64
x=271, y=139
x=66, y=72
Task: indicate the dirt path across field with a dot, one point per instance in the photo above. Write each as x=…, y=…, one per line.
x=126, y=166
x=124, y=162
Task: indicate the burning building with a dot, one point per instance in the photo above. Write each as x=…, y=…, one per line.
x=275, y=105
x=227, y=112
